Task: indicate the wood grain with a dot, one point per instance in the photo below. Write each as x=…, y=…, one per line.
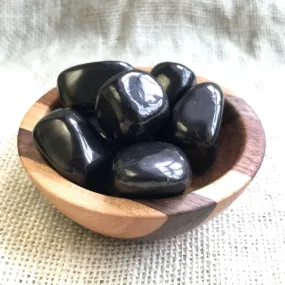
x=26, y=146
x=242, y=145
x=185, y=212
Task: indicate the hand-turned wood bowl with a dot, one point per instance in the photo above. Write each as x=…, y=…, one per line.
x=242, y=146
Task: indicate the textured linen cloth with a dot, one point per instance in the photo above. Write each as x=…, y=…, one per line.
x=238, y=43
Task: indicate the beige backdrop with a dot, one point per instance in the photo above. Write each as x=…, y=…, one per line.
x=237, y=43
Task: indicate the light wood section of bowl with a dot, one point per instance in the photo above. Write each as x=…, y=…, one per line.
x=242, y=149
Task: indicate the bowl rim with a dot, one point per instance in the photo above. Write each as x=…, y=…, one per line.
x=151, y=213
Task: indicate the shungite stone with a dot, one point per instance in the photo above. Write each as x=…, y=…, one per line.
x=78, y=86
x=196, y=118
x=150, y=170
x=70, y=144
x=196, y=121
x=131, y=105
x=175, y=78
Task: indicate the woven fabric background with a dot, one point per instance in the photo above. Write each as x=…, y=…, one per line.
x=239, y=43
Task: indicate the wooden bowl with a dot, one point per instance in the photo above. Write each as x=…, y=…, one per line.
x=242, y=146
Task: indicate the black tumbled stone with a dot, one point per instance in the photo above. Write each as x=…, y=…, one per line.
x=131, y=105
x=196, y=121
x=196, y=118
x=175, y=78
x=70, y=145
x=150, y=170
x=78, y=86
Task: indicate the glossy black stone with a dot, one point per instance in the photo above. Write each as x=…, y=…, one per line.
x=70, y=144
x=131, y=105
x=150, y=170
x=196, y=118
x=78, y=86
x=175, y=78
